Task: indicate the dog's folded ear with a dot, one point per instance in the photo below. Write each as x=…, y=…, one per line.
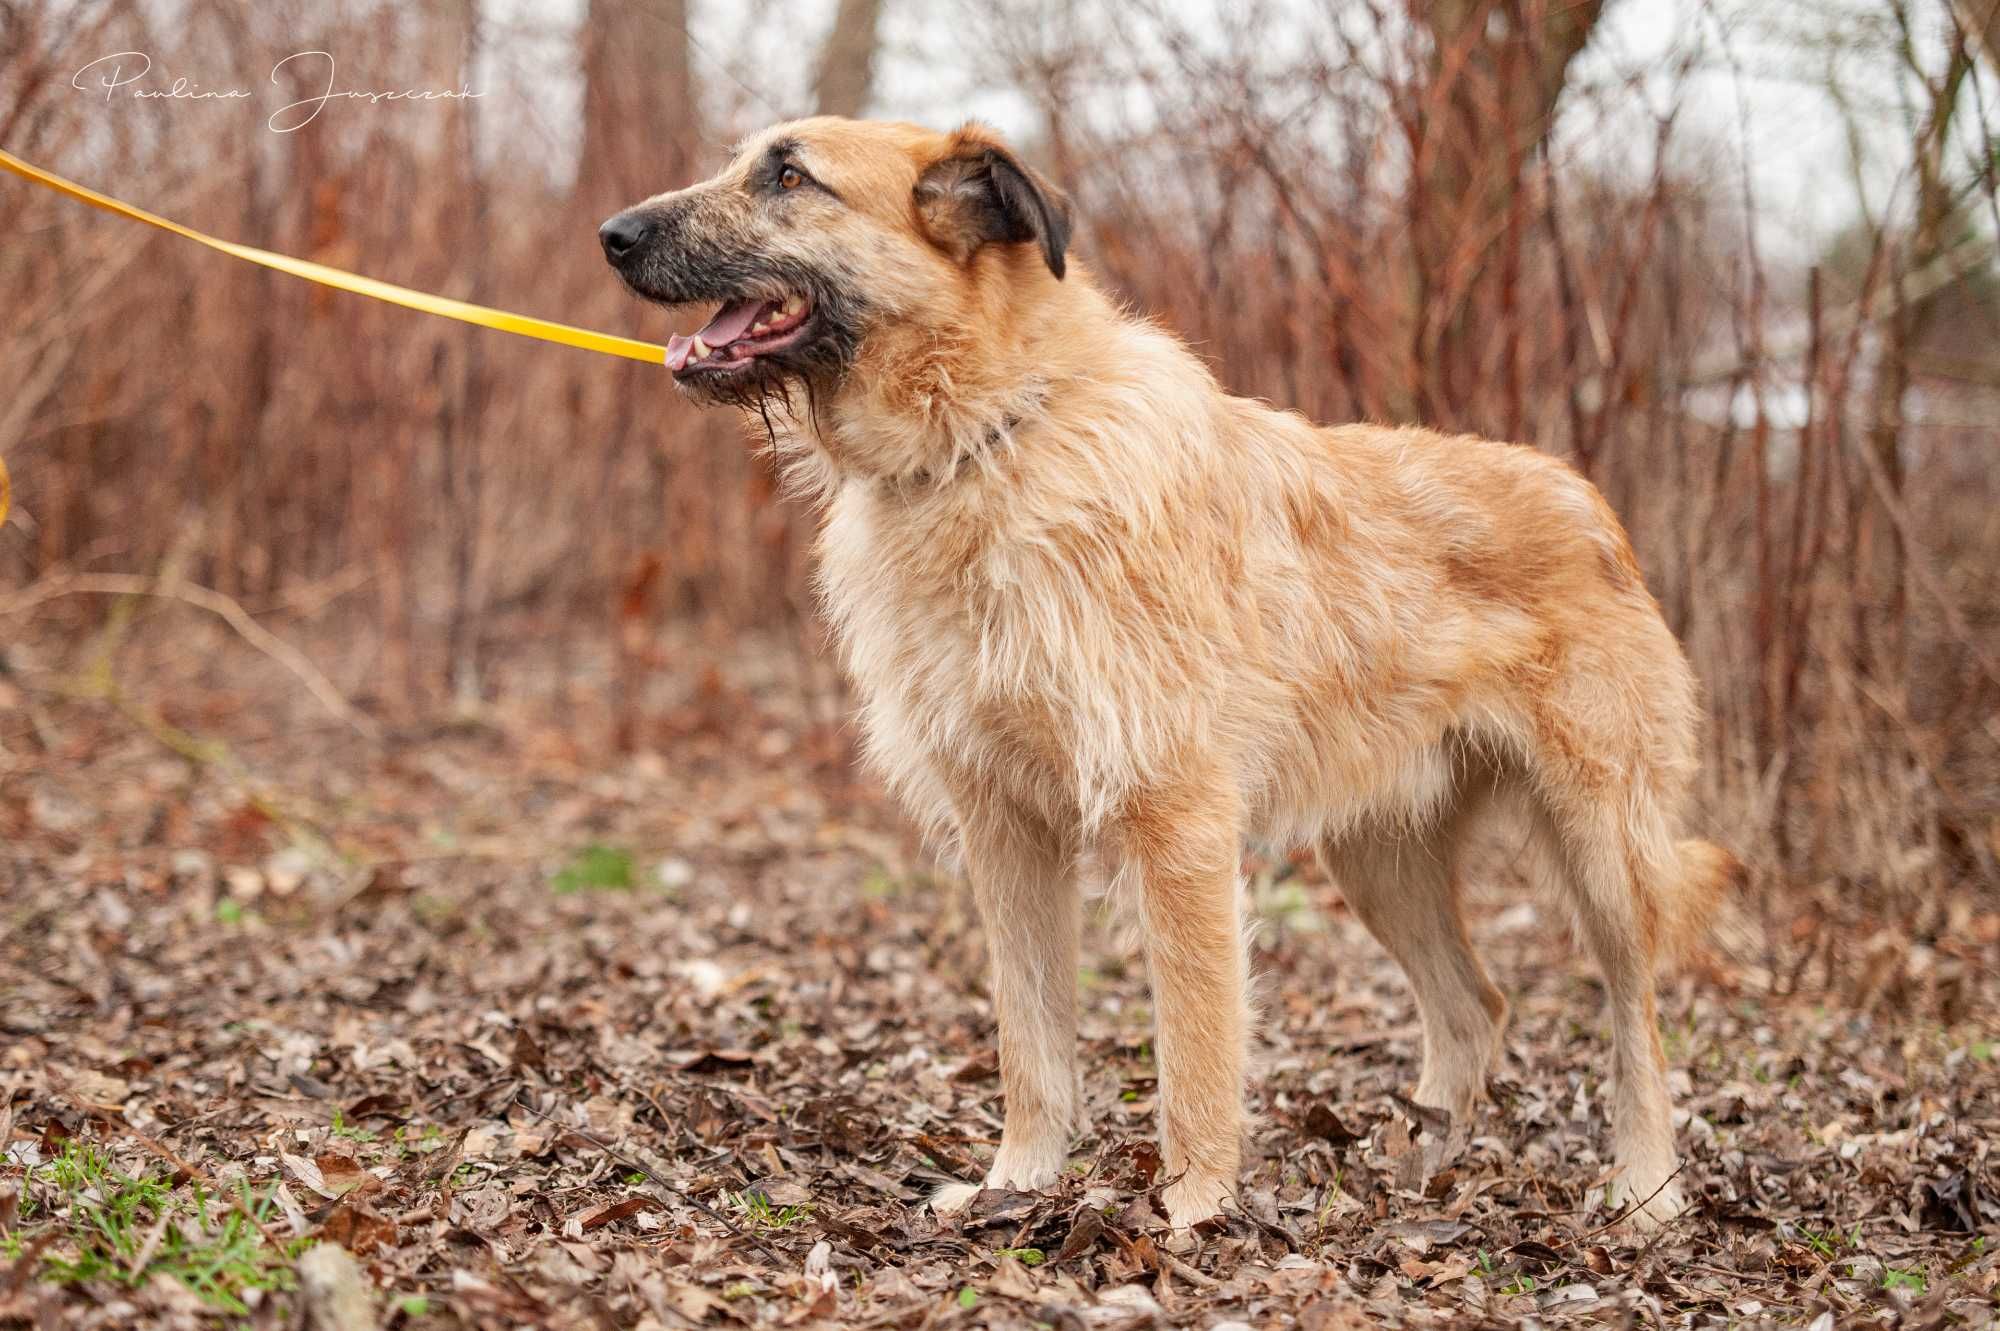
x=978, y=192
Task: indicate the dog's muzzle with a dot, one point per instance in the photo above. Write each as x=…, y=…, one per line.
x=625, y=236
x=771, y=316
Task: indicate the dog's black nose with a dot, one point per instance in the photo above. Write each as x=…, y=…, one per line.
x=623, y=234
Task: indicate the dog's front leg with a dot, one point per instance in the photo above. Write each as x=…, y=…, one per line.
x=1183, y=850
x=1023, y=879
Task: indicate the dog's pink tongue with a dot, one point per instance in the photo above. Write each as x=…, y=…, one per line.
x=730, y=322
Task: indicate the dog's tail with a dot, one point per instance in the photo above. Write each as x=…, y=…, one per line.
x=1708, y=873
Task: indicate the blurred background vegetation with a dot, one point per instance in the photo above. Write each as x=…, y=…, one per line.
x=1734, y=260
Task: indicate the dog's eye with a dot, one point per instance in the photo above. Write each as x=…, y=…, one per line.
x=791, y=178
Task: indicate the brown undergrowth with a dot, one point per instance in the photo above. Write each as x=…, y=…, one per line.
x=551, y=1038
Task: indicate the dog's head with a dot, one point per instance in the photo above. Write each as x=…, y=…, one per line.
x=828, y=243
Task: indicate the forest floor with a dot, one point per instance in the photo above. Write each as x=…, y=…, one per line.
x=546, y=1036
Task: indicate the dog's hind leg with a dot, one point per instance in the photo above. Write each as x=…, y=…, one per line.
x=1612, y=857
x=1402, y=884
x=1023, y=879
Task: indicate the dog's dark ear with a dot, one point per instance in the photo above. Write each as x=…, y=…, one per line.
x=978, y=192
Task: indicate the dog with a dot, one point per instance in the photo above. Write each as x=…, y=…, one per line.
x=1098, y=612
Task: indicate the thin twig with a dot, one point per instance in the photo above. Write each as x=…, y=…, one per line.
x=225, y=608
x=1631, y=1210
x=1920, y=567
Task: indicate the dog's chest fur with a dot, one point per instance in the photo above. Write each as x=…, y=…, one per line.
x=957, y=683
x=1022, y=636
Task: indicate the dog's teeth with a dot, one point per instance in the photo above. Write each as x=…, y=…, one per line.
x=793, y=304
x=699, y=351
x=759, y=327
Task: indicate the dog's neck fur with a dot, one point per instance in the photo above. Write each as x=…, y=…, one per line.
x=947, y=392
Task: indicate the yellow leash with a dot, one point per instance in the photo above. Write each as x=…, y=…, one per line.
x=526, y=325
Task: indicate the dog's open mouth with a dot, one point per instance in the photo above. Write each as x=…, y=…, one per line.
x=740, y=332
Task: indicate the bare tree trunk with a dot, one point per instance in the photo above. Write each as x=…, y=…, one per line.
x=640, y=128
x=1980, y=20
x=847, y=62
x=1497, y=69
x=462, y=429
x=639, y=121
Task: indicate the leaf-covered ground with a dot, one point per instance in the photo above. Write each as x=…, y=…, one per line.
x=546, y=1037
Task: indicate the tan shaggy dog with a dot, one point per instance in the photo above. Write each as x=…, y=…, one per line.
x=1100, y=612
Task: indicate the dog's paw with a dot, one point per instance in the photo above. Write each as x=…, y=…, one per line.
x=1649, y=1207
x=1191, y=1200
x=1016, y=1175
x=954, y=1197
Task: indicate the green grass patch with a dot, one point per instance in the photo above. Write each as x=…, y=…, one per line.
x=110, y=1225
x=757, y=1209
x=1285, y=904
x=880, y=885
x=596, y=869
x=1025, y=1256
x=342, y=1128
